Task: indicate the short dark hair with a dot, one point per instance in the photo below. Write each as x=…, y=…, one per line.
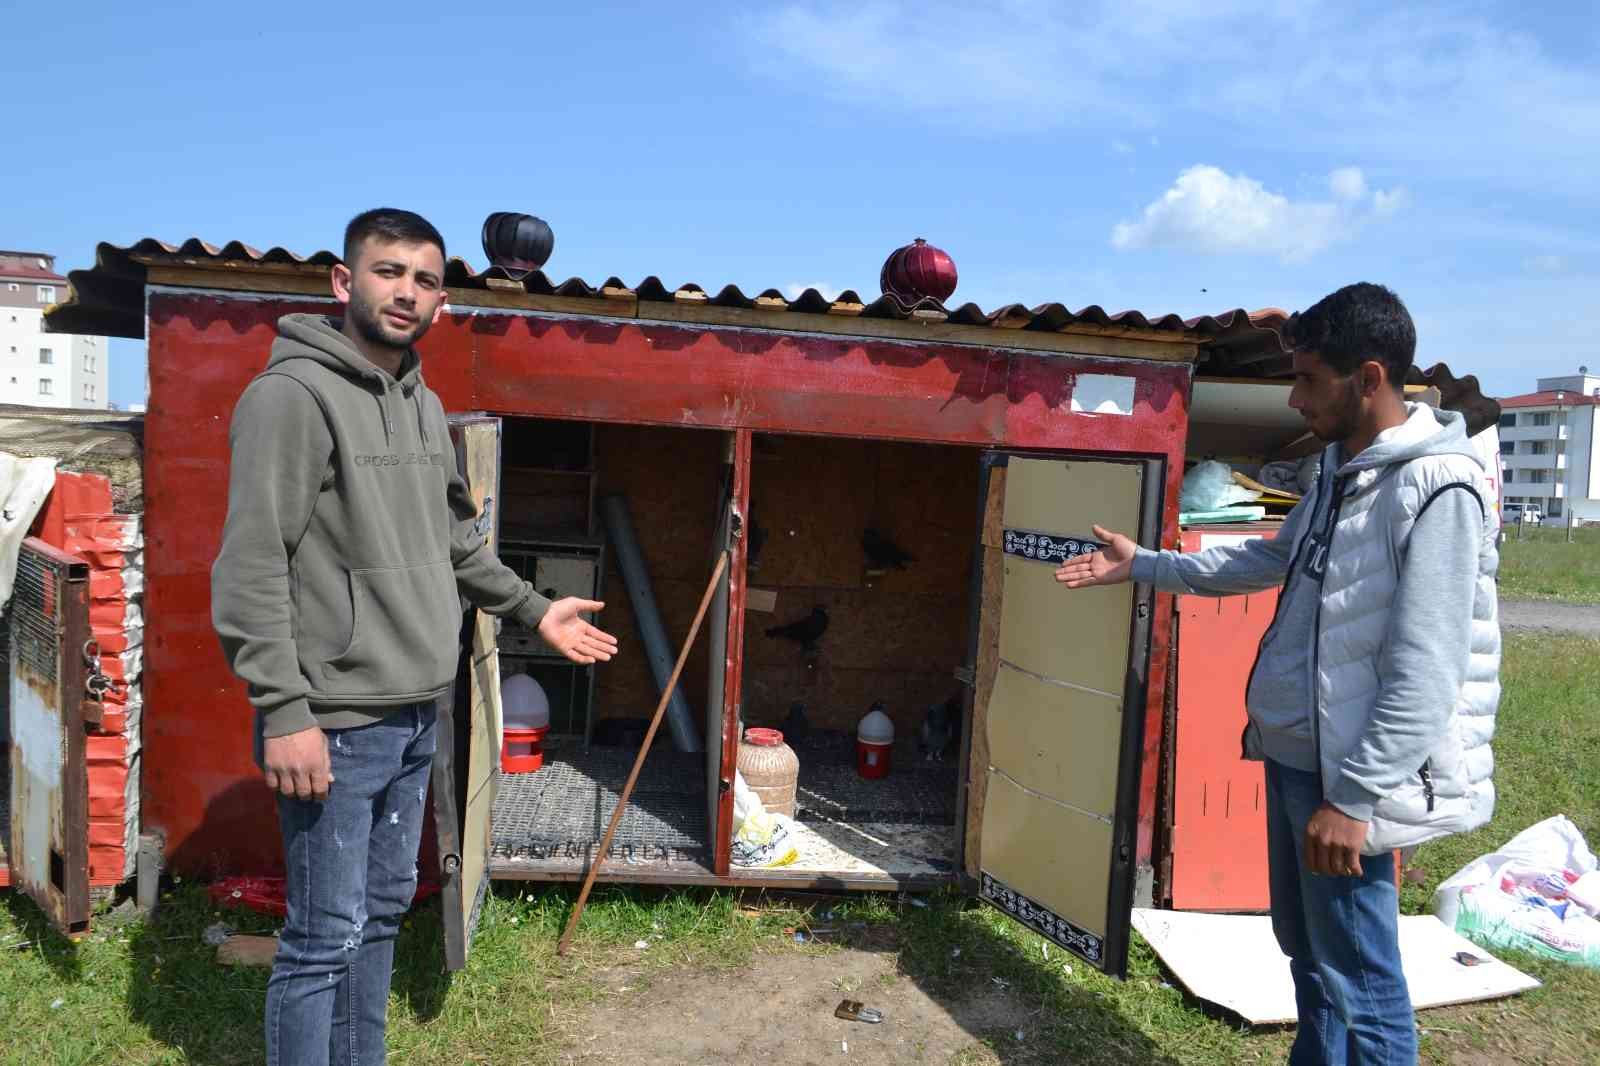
x=1358, y=323
x=390, y=224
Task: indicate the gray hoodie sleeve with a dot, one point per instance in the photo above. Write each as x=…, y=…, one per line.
x=281, y=446
x=1425, y=657
x=1256, y=564
x=482, y=578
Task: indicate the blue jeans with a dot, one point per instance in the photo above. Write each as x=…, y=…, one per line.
x=1342, y=936
x=351, y=874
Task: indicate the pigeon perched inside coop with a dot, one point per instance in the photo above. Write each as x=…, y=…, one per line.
x=883, y=554
x=806, y=632
x=940, y=729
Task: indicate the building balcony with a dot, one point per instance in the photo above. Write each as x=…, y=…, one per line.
x=1522, y=433
x=1534, y=462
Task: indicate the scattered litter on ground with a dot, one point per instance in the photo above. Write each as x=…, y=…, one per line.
x=641, y=944
x=1539, y=893
x=57, y=1004
x=852, y=1010
x=215, y=934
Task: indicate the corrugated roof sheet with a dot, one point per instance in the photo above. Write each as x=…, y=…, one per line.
x=108, y=298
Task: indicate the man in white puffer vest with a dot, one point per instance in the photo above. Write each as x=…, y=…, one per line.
x=1374, y=692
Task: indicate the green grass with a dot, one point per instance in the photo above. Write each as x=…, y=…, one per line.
x=141, y=993
x=1543, y=566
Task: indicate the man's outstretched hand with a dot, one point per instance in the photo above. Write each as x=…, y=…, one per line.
x=563, y=628
x=1111, y=566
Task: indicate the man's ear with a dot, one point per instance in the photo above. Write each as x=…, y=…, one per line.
x=1374, y=376
x=444, y=299
x=341, y=279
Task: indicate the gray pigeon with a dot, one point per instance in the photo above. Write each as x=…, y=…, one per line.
x=940, y=729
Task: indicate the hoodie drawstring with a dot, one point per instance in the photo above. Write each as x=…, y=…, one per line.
x=422, y=423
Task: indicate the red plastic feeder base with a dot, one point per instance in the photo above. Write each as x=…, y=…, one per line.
x=522, y=752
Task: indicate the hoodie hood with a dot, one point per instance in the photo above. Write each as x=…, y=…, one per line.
x=1426, y=431
x=317, y=338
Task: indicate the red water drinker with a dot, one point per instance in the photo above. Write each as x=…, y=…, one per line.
x=874, y=744
x=527, y=720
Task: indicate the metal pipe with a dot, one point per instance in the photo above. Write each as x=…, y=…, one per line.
x=641, y=595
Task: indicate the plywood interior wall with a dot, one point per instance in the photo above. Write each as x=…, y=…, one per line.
x=671, y=478
x=898, y=637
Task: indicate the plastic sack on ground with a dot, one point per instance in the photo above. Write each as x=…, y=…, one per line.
x=1539, y=893
x=760, y=838
x=1210, y=487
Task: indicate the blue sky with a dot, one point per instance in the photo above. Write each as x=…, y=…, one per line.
x=1136, y=154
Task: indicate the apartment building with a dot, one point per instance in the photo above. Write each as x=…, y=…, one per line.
x=1550, y=447
x=38, y=368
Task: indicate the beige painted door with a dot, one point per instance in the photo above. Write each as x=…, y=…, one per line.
x=1058, y=703
x=466, y=767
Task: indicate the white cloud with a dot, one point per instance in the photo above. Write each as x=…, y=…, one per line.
x=1459, y=92
x=795, y=289
x=1211, y=211
x=1348, y=183
x=1122, y=147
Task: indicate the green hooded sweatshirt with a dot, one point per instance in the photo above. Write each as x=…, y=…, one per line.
x=350, y=539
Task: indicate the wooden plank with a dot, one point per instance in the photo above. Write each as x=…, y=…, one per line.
x=253, y=281
x=988, y=664
x=1072, y=341
x=242, y=950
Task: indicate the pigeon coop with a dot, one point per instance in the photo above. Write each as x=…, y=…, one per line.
x=916, y=472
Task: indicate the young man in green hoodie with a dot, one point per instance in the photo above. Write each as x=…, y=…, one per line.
x=1374, y=693
x=349, y=545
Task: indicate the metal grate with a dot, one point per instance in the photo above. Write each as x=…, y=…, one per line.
x=35, y=623
x=917, y=792
x=561, y=811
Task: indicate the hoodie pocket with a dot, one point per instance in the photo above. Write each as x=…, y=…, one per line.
x=405, y=626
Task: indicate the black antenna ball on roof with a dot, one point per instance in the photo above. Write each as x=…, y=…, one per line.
x=518, y=244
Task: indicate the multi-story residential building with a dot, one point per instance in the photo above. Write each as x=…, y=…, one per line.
x=38, y=368
x=1550, y=448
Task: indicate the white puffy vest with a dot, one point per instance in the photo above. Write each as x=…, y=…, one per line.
x=1379, y=508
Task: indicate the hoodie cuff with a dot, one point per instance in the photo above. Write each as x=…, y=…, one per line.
x=531, y=611
x=292, y=717
x=1352, y=800
x=1145, y=563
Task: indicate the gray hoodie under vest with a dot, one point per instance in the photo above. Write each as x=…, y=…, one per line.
x=1381, y=670
x=350, y=539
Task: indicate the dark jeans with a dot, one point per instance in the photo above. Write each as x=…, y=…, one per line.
x=1342, y=936
x=351, y=874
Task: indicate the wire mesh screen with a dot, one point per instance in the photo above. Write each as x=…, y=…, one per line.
x=34, y=618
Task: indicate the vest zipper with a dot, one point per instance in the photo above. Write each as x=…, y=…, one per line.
x=1334, y=509
x=1277, y=609
x=1426, y=773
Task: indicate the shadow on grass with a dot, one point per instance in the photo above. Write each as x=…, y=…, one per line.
x=213, y=1014
x=58, y=952
x=1077, y=1023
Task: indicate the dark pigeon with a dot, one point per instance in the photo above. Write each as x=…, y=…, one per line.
x=884, y=554
x=796, y=727
x=940, y=730
x=806, y=632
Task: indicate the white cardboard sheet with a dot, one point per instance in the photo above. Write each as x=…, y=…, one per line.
x=1233, y=961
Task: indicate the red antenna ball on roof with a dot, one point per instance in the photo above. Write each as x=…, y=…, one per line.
x=518, y=244
x=919, y=271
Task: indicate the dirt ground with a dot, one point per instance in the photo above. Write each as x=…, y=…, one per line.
x=688, y=1017
x=1543, y=616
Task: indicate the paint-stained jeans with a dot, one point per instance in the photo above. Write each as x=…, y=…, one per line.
x=351, y=874
x=1342, y=936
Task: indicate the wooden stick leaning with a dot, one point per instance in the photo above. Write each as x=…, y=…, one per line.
x=644, y=749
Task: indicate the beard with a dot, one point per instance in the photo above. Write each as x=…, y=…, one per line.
x=368, y=320
x=1345, y=421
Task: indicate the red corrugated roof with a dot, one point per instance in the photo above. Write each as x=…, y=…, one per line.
x=1548, y=399
x=28, y=273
